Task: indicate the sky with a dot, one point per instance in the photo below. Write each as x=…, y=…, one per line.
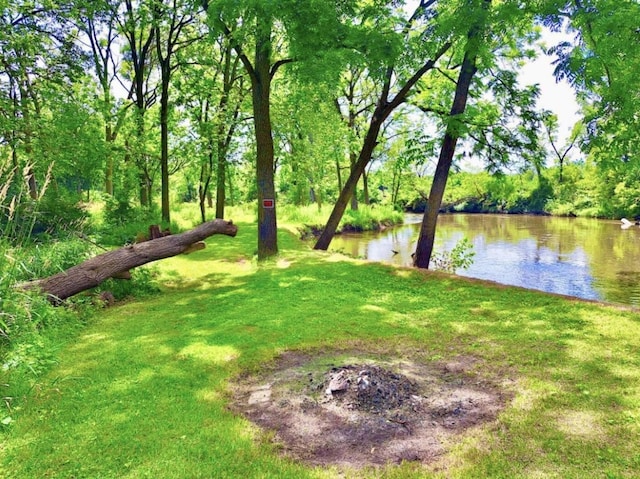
x=557, y=97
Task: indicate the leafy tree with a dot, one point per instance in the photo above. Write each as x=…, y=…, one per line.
x=36, y=54
x=171, y=21
x=468, y=69
x=310, y=138
x=212, y=88
x=355, y=104
x=267, y=35
x=561, y=152
x=602, y=64
x=399, y=69
x=136, y=25
x=98, y=22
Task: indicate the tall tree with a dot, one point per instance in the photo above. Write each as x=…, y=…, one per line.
x=37, y=55
x=267, y=35
x=98, y=20
x=355, y=105
x=171, y=19
x=136, y=24
x=311, y=135
x=602, y=63
x=388, y=101
x=561, y=152
x=468, y=69
x=213, y=90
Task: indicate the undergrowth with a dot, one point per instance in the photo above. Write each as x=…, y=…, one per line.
x=309, y=220
x=39, y=237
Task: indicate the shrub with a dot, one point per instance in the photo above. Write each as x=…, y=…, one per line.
x=460, y=257
x=370, y=218
x=123, y=223
x=59, y=212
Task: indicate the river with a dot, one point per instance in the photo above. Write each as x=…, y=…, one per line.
x=586, y=258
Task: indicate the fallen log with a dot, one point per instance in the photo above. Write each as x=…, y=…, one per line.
x=117, y=263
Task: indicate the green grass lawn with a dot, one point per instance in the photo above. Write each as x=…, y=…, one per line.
x=143, y=390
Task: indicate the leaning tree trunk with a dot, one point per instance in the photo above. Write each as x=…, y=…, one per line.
x=117, y=263
x=383, y=109
x=424, y=247
x=349, y=187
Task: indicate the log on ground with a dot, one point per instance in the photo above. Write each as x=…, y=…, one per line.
x=94, y=271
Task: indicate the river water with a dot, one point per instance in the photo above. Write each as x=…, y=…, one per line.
x=586, y=258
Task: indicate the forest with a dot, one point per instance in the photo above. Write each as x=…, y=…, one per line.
x=293, y=118
x=145, y=105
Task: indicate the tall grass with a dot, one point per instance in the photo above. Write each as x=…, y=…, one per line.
x=31, y=329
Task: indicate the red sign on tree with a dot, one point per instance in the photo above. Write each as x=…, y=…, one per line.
x=268, y=203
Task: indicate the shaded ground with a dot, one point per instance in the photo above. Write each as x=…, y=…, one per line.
x=367, y=412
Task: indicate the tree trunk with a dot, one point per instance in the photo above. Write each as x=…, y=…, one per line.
x=108, y=173
x=354, y=196
x=117, y=263
x=261, y=86
x=221, y=179
x=468, y=69
x=164, y=145
x=348, y=190
x=145, y=197
x=225, y=130
x=339, y=175
x=365, y=188
x=384, y=108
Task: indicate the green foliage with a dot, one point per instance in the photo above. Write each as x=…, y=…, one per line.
x=118, y=211
x=366, y=218
x=459, y=257
x=30, y=327
x=142, y=284
x=370, y=218
x=602, y=65
x=123, y=223
x=584, y=191
x=59, y=212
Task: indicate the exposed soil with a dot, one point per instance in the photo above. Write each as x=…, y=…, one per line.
x=366, y=411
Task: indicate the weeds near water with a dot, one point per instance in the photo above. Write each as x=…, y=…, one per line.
x=460, y=257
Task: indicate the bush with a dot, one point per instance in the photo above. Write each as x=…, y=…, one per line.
x=59, y=212
x=460, y=257
x=123, y=223
x=141, y=284
x=370, y=218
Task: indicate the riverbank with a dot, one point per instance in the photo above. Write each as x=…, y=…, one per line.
x=309, y=221
x=145, y=389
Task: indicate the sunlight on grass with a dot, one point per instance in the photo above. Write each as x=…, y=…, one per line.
x=209, y=353
x=532, y=392
x=121, y=385
x=143, y=391
x=580, y=423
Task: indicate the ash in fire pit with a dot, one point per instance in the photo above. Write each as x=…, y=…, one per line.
x=371, y=388
x=367, y=412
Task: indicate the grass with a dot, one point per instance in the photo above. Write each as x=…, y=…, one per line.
x=142, y=391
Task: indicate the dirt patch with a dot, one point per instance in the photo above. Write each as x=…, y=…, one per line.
x=367, y=411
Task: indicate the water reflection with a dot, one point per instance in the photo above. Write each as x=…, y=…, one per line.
x=587, y=258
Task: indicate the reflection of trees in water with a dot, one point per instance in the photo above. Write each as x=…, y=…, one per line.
x=625, y=289
x=555, y=254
